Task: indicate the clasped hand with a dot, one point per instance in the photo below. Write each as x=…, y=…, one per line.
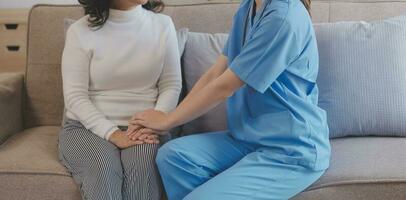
x=143, y=128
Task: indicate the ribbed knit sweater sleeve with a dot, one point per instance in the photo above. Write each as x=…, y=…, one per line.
x=75, y=77
x=170, y=80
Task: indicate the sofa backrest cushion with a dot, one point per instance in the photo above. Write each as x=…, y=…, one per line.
x=43, y=79
x=362, y=77
x=201, y=52
x=44, y=101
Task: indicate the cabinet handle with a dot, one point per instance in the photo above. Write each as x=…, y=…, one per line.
x=13, y=48
x=11, y=26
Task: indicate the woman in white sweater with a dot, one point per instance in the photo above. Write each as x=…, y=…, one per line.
x=119, y=59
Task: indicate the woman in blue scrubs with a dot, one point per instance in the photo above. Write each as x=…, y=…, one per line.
x=277, y=141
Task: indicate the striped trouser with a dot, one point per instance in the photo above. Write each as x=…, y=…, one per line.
x=103, y=171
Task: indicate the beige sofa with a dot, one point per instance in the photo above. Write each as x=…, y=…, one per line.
x=31, y=109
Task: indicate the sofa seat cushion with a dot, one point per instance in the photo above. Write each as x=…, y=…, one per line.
x=33, y=150
x=366, y=167
x=26, y=186
x=30, y=169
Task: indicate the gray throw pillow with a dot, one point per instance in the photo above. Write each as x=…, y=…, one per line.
x=362, y=77
x=201, y=52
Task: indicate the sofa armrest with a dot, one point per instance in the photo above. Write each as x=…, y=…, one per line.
x=11, y=86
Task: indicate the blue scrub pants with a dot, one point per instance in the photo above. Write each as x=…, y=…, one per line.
x=215, y=166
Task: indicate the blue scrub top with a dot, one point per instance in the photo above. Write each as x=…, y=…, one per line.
x=276, y=109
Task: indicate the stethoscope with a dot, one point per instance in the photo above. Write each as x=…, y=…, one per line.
x=265, y=3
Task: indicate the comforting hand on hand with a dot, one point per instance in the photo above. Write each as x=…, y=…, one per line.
x=147, y=135
x=122, y=141
x=143, y=128
x=153, y=120
x=135, y=135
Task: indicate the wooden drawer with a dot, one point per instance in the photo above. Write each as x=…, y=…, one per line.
x=12, y=57
x=13, y=39
x=12, y=32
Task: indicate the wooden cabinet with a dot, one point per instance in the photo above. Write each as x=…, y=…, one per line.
x=13, y=39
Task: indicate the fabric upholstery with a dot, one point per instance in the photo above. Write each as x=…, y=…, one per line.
x=11, y=85
x=38, y=186
x=33, y=150
x=28, y=164
x=44, y=102
x=362, y=76
x=364, y=191
x=362, y=168
x=201, y=52
x=30, y=169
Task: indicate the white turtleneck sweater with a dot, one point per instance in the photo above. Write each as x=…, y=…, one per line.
x=129, y=65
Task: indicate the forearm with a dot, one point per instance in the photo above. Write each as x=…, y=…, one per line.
x=197, y=103
x=170, y=80
x=214, y=72
x=203, y=81
x=204, y=99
